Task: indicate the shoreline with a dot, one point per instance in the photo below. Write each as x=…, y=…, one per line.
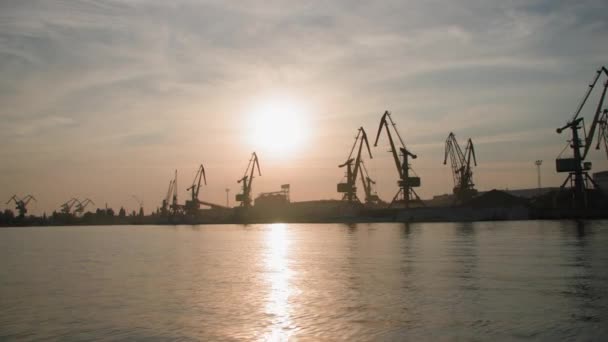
x=343, y=215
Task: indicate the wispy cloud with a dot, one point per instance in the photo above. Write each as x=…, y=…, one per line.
x=168, y=82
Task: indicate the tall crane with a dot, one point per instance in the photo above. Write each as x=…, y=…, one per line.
x=349, y=189
x=81, y=206
x=21, y=204
x=169, y=205
x=193, y=205
x=406, y=193
x=175, y=207
x=66, y=208
x=247, y=180
x=464, y=188
x=602, y=138
x=371, y=197
x=577, y=166
x=165, y=207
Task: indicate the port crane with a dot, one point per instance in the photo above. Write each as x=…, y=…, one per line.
x=247, y=180
x=166, y=204
x=464, y=188
x=193, y=205
x=175, y=207
x=577, y=166
x=603, y=132
x=407, y=183
x=21, y=204
x=66, y=208
x=81, y=206
x=349, y=189
x=371, y=197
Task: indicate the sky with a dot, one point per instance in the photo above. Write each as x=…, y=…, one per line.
x=105, y=99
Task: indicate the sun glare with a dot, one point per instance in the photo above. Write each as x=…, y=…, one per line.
x=278, y=126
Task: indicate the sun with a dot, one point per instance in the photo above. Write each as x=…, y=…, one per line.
x=278, y=126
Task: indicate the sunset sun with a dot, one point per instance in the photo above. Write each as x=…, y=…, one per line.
x=278, y=125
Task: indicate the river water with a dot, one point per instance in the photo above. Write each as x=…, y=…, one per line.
x=540, y=280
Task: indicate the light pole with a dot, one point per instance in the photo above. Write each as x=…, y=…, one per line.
x=227, y=198
x=538, y=163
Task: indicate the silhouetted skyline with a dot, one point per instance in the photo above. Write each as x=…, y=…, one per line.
x=106, y=99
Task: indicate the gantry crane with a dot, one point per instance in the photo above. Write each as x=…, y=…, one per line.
x=193, y=205
x=406, y=193
x=21, y=204
x=81, y=206
x=577, y=166
x=247, y=180
x=66, y=208
x=464, y=188
x=349, y=189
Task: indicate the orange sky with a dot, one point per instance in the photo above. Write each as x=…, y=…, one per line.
x=104, y=100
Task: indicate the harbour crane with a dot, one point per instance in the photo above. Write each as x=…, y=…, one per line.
x=169, y=204
x=165, y=207
x=247, y=180
x=175, y=207
x=464, y=188
x=81, y=206
x=371, y=197
x=66, y=208
x=406, y=193
x=141, y=204
x=577, y=167
x=193, y=205
x=349, y=189
x=603, y=132
x=21, y=204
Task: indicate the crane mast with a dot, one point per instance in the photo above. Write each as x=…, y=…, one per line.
x=169, y=204
x=406, y=193
x=66, y=208
x=349, y=188
x=193, y=205
x=577, y=166
x=21, y=204
x=371, y=197
x=247, y=180
x=602, y=138
x=461, y=167
x=81, y=206
x=164, y=209
x=176, y=208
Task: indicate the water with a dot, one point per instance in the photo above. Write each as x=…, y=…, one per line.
x=477, y=281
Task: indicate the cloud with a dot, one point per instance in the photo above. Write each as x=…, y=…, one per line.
x=171, y=80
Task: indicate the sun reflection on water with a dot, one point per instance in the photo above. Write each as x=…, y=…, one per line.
x=278, y=275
